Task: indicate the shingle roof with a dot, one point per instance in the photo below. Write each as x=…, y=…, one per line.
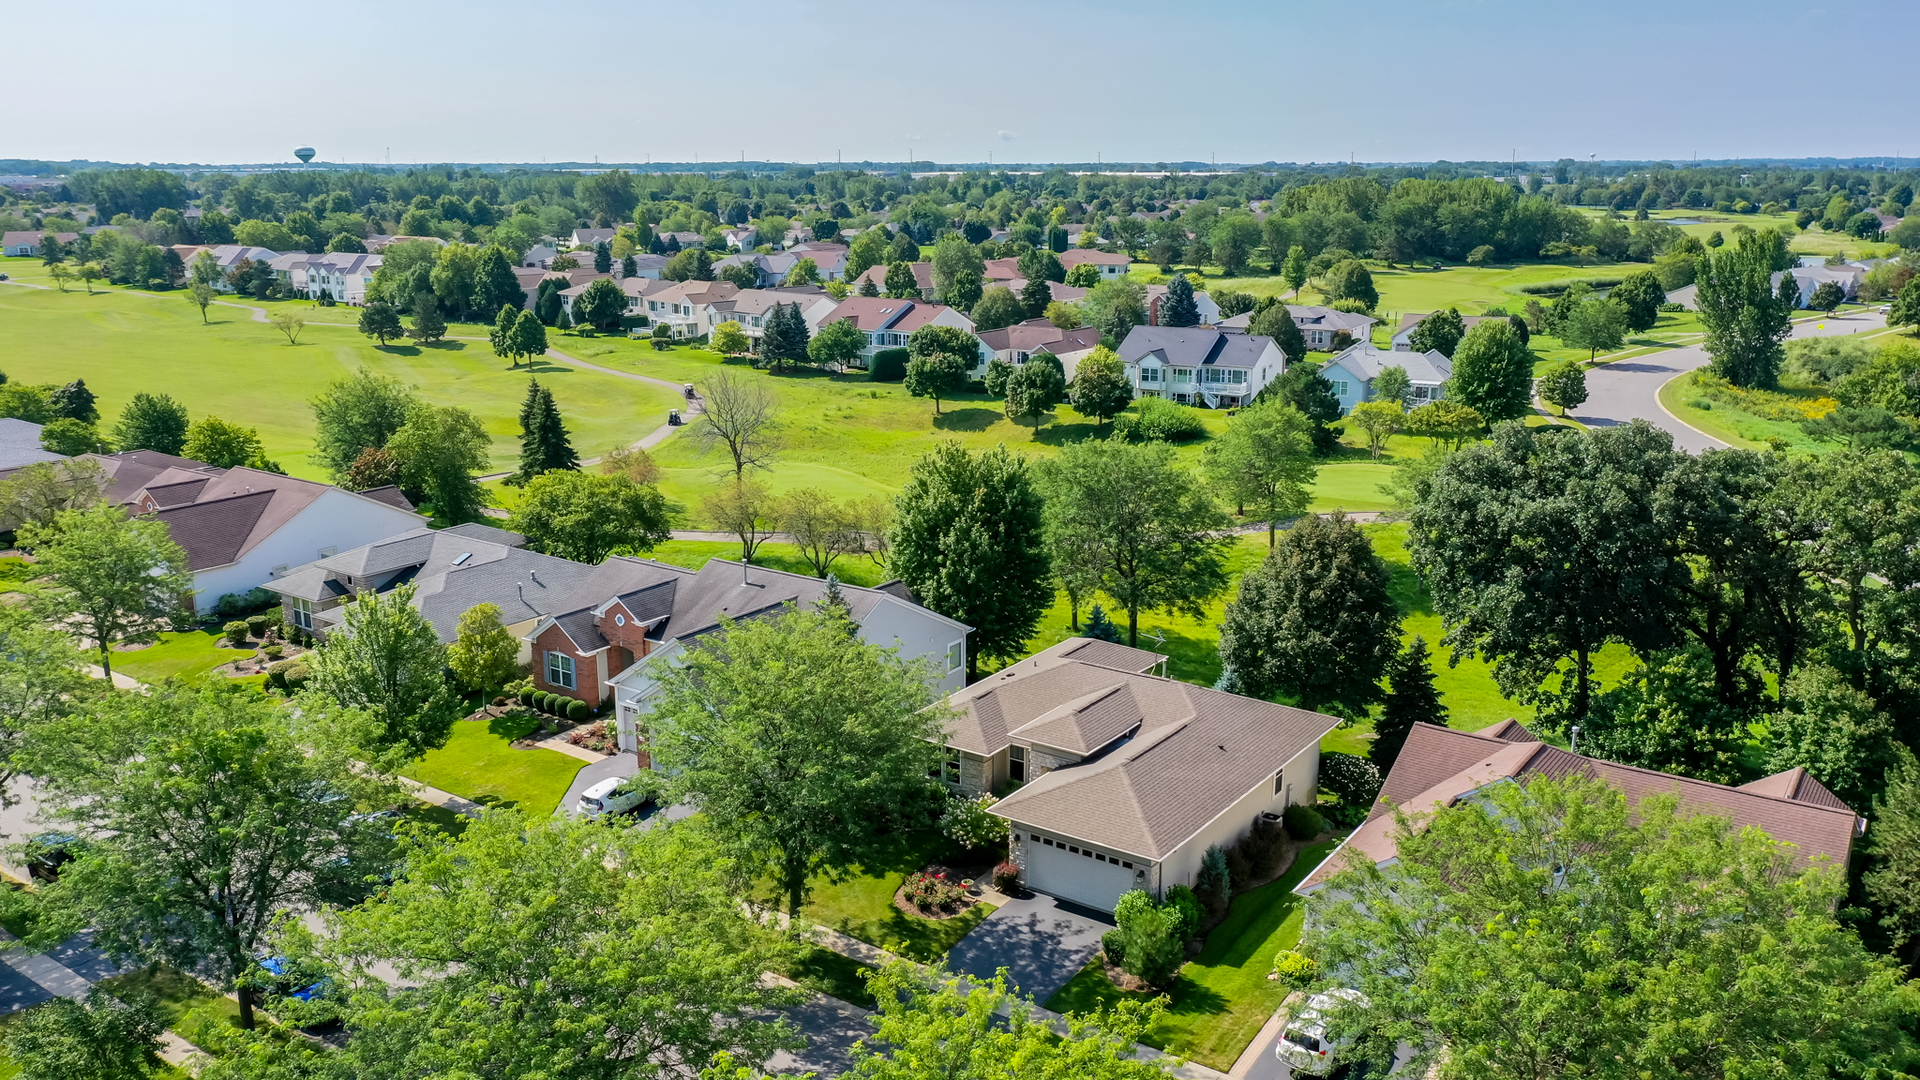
x=390, y=495
x=877, y=273
x=883, y=313
x=20, y=444
x=1429, y=368
x=1438, y=766
x=1073, y=257
x=1193, y=346
x=218, y=515
x=1174, y=756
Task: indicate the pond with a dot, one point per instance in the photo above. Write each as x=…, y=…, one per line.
x=1685, y=220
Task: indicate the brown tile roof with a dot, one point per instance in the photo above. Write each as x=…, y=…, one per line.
x=1439, y=765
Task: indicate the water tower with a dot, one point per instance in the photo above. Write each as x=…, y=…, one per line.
x=305, y=154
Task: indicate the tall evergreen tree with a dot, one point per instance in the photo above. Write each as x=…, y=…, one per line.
x=75, y=402
x=544, y=442
x=602, y=258
x=1177, y=308
x=1035, y=296
x=1410, y=698
x=784, y=342
x=494, y=284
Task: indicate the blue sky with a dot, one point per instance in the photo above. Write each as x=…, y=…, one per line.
x=1383, y=80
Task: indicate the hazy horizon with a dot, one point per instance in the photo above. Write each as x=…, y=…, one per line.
x=780, y=81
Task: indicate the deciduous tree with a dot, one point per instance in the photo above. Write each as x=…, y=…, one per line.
x=1314, y=620
x=1564, y=386
x=440, y=449
x=356, y=413
x=1100, y=387
x=1034, y=388
x=379, y=320
x=1680, y=915
x=741, y=416
x=1745, y=323
x=1595, y=324
x=837, y=345
x=484, y=655
x=113, y=578
x=586, y=517
x=968, y=539
x=151, y=422
x=1265, y=460
x=1156, y=534
x=209, y=814
x=798, y=740
x=388, y=662
x=1493, y=373
x=744, y=508
x=1439, y=332
x=221, y=444
x=1380, y=420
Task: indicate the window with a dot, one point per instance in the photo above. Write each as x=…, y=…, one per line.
x=952, y=768
x=1181, y=374
x=1017, y=764
x=560, y=670
x=1340, y=387
x=1279, y=779
x=956, y=655
x=1425, y=393
x=303, y=614
x=1149, y=374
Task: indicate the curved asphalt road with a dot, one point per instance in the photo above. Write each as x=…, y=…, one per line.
x=1627, y=390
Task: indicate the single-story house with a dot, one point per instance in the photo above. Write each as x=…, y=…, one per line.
x=1056, y=292
x=540, y=256
x=1352, y=373
x=1441, y=767
x=590, y=237
x=1113, y=265
x=1200, y=364
x=380, y=242
x=1002, y=272
x=1015, y=344
x=1124, y=777
x=922, y=278
x=644, y=265
x=1686, y=296
x=1403, y=334
x=1809, y=278
x=680, y=241
x=27, y=243
x=451, y=570
x=1317, y=324
x=241, y=526
x=888, y=322
x=635, y=614
x=20, y=444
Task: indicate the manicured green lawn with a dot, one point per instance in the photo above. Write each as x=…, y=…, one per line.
x=693, y=554
x=860, y=904
x=841, y=434
x=479, y=764
x=124, y=342
x=173, y=993
x=1223, y=996
x=184, y=655
x=833, y=974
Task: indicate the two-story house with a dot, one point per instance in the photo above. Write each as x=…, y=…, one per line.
x=1113, y=265
x=344, y=276
x=750, y=308
x=1204, y=365
x=1352, y=373
x=1122, y=778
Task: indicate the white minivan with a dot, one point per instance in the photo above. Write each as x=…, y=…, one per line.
x=610, y=797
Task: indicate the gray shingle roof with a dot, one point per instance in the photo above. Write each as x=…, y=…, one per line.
x=20, y=444
x=1429, y=368
x=1193, y=346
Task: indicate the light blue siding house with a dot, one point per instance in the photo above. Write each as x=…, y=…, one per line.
x=1352, y=374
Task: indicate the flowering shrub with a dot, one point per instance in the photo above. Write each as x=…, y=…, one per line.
x=933, y=892
x=967, y=821
x=1006, y=876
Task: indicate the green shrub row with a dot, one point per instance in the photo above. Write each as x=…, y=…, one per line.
x=558, y=705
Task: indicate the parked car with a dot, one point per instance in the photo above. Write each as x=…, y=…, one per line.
x=295, y=993
x=1304, y=1046
x=614, y=795
x=47, y=852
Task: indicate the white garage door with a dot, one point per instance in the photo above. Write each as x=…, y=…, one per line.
x=1071, y=872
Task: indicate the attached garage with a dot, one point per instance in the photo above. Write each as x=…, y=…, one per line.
x=1084, y=875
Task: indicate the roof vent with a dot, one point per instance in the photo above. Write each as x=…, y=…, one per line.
x=463, y=557
x=533, y=576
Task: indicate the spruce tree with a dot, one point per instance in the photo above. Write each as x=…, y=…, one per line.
x=868, y=288
x=1177, y=308
x=1035, y=297
x=380, y=321
x=1410, y=698
x=75, y=402
x=629, y=267
x=544, y=442
x=602, y=258
x=784, y=343
x=1101, y=628
x=428, y=326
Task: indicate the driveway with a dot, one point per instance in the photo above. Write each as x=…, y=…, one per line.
x=831, y=1029
x=1041, y=941
x=621, y=765
x=1628, y=390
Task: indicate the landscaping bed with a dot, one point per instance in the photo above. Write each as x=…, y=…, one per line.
x=860, y=901
x=939, y=892
x=1220, y=999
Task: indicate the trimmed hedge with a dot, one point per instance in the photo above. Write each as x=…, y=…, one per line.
x=1304, y=822
x=577, y=710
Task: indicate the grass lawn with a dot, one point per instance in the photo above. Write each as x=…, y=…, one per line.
x=1222, y=997
x=185, y=655
x=173, y=993
x=827, y=972
x=123, y=342
x=841, y=434
x=479, y=764
x=1813, y=241
x=693, y=554
x=861, y=903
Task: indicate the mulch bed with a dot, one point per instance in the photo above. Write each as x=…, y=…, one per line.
x=956, y=876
